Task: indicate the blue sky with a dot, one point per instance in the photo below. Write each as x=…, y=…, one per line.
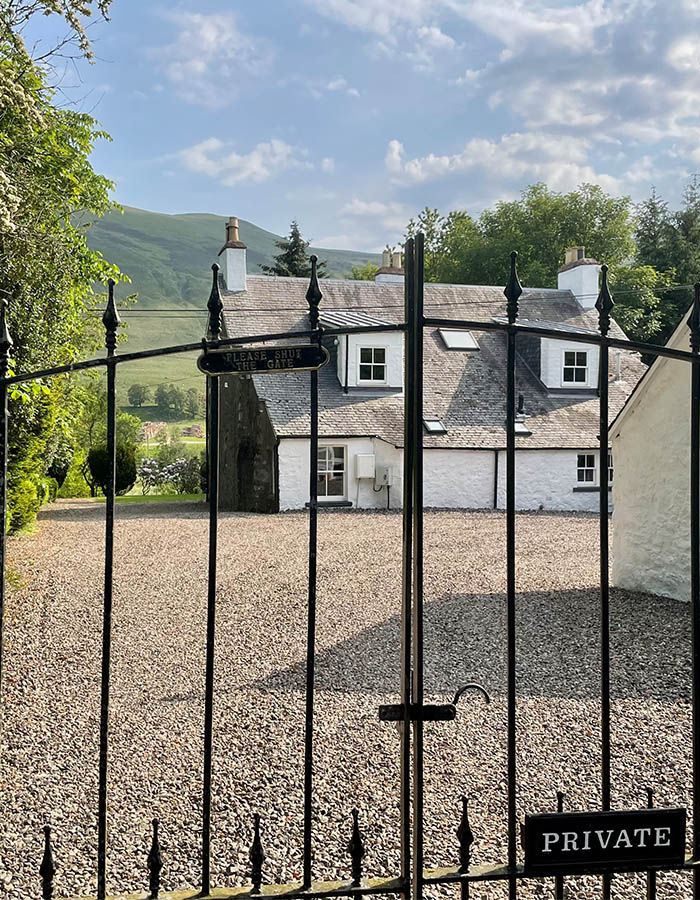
x=351, y=115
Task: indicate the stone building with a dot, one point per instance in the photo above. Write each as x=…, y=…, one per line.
x=265, y=418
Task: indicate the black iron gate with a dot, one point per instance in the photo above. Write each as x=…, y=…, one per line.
x=410, y=713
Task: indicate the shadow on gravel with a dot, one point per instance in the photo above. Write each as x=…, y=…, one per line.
x=93, y=511
x=557, y=648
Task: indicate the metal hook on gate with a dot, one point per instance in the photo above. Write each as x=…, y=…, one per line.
x=472, y=686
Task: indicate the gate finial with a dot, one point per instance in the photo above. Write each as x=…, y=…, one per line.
x=356, y=849
x=313, y=294
x=604, y=303
x=256, y=856
x=47, y=869
x=110, y=319
x=155, y=863
x=215, y=307
x=513, y=289
x=694, y=321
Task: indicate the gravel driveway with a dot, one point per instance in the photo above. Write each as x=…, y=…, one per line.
x=51, y=694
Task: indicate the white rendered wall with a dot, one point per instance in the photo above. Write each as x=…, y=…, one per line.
x=235, y=268
x=454, y=479
x=552, y=364
x=582, y=281
x=651, y=520
x=294, y=472
x=392, y=341
x=545, y=479
x=458, y=479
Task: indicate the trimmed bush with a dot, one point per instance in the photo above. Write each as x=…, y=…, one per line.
x=125, y=475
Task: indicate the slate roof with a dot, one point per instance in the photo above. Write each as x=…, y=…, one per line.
x=465, y=390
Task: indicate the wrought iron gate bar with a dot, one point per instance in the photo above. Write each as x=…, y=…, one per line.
x=313, y=297
x=192, y=346
x=512, y=291
x=695, y=565
x=604, y=305
x=579, y=338
x=417, y=612
x=215, y=307
x=110, y=321
x=407, y=570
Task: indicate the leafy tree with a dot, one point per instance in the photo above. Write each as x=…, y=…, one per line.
x=139, y=394
x=162, y=398
x=194, y=403
x=364, y=273
x=125, y=472
x=176, y=399
x=47, y=271
x=540, y=226
x=293, y=261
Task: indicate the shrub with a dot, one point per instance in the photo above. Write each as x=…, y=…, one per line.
x=125, y=475
x=149, y=474
x=75, y=484
x=48, y=490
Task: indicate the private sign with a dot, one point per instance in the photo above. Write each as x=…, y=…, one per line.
x=263, y=360
x=570, y=843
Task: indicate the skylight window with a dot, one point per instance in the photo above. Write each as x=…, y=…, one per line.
x=522, y=429
x=458, y=340
x=434, y=426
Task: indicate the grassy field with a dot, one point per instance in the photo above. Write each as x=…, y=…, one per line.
x=168, y=259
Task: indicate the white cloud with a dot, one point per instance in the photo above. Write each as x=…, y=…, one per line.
x=389, y=214
x=210, y=57
x=527, y=157
x=394, y=156
x=377, y=16
x=328, y=165
x=340, y=84
x=265, y=161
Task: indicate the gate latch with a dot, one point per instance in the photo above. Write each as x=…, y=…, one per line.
x=427, y=712
x=394, y=712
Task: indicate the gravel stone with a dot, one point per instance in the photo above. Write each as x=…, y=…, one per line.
x=52, y=682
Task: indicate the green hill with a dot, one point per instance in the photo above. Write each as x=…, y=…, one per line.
x=168, y=258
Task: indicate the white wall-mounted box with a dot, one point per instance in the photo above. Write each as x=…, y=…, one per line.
x=364, y=465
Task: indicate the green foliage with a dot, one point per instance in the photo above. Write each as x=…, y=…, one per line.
x=194, y=403
x=139, y=394
x=75, y=484
x=48, y=490
x=363, y=273
x=637, y=291
x=47, y=271
x=125, y=473
x=293, y=260
x=540, y=226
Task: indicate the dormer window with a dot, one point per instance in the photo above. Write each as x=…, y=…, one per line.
x=372, y=367
x=575, y=370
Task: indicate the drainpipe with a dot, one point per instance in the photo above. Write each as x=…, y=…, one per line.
x=495, y=479
x=347, y=361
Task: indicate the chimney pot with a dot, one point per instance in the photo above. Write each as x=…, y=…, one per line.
x=386, y=259
x=232, y=229
x=396, y=259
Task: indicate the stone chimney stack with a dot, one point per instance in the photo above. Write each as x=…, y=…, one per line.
x=234, y=253
x=391, y=271
x=579, y=274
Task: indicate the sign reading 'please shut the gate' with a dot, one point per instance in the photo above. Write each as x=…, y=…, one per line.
x=570, y=843
x=270, y=360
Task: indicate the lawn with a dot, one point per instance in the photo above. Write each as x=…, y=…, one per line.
x=52, y=678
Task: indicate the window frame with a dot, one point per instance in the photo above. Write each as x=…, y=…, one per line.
x=319, y=472
x=385, y=364
x=587, y=482
x=586, y=369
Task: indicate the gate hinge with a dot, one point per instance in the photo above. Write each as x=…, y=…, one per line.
x=394, y=712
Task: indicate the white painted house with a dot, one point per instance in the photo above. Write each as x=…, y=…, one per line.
x=651, y=449
x=265, y=456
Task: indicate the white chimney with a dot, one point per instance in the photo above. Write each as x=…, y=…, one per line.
x=391, y=271
x=234, y=253
x=579, y=274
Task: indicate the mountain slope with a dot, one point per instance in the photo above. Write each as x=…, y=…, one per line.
x=168, y=258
